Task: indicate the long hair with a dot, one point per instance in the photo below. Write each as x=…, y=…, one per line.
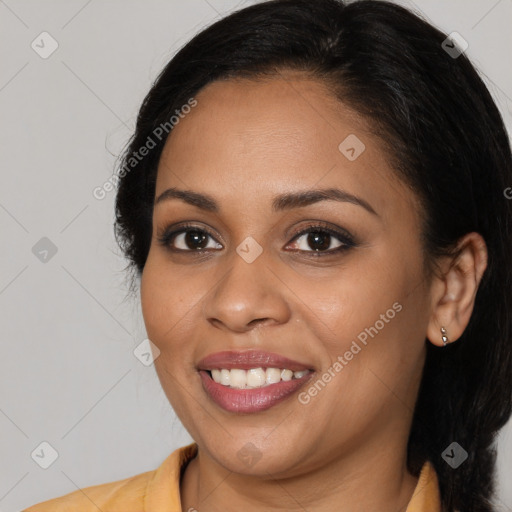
x=445, y=137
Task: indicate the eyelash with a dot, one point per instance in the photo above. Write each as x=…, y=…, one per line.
x=167, y=237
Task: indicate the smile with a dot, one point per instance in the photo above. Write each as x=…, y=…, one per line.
x=251, y=381
x=251, y=400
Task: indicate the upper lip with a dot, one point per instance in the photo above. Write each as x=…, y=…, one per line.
x=245, y=360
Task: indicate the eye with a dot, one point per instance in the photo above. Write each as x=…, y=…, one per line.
x=188, y=238
x=320, y=238
x=192, y=239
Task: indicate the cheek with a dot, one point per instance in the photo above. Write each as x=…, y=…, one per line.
x=374, y=323
x=170, y=302
x=158, y=302
x=344, y=306
x=165, y=319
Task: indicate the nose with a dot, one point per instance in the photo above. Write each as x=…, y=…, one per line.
x=247, y=296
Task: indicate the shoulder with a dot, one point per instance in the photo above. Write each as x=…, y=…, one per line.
x=145, y=491
x=122, y=495
x=426, y=497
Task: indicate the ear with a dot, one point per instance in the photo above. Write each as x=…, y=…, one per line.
x=453, y=293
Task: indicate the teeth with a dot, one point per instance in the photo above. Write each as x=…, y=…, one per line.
x=286, y=375
x=273, y=375
x=255, y=377
x=225, y=377
x=238, y=379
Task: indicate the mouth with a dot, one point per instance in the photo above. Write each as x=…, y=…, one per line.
x=251, y=381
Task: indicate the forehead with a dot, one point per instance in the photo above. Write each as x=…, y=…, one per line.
x=265, y=137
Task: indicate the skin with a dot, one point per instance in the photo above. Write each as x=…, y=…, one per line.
x=245, y=142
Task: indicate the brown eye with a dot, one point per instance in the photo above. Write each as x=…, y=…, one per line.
x=320, y=238
x=185, y=239
x=317, y=240
x=193, y=239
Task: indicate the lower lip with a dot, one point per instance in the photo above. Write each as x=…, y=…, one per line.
x=250, y=400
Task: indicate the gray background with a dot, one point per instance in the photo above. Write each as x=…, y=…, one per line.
x=68, y=372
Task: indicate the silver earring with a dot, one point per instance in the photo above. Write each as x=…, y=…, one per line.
x=443, y=336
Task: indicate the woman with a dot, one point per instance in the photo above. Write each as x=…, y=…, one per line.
x=323, y=245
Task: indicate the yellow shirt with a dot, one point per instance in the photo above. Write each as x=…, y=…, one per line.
x=159, y=491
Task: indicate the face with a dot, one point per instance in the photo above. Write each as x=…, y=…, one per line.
x=335, y=285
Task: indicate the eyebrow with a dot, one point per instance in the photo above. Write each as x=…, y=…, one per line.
x=281, y=202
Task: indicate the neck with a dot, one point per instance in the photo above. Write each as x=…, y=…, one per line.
x=370, y=479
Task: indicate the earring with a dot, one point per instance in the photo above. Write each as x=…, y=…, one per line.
x=443, y=336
